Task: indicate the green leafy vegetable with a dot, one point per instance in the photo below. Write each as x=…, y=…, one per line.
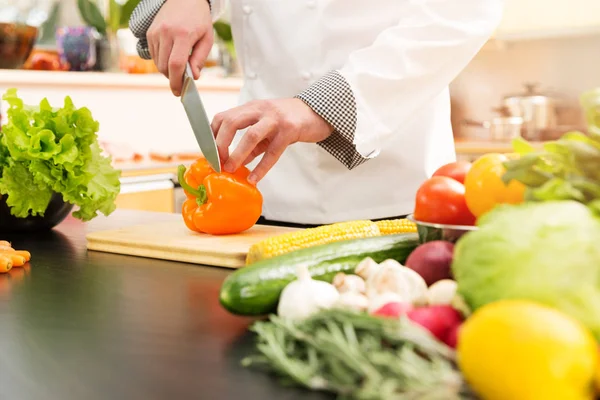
x=564, y=169
x=359, y=356
x=590, y=101
x=45, y=151
x=547, y=252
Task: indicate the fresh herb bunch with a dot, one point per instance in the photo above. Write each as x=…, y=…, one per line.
x=45, y=151
x=358, y=356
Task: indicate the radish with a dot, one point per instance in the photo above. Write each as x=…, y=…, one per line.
x=452, y=336
x=440, y=320
x=393, y=310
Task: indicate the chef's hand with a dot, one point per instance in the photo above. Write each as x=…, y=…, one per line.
x=272, y=125
x=180, y=27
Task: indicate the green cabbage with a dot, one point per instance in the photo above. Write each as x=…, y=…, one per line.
x=548, y=252
x=45, y=150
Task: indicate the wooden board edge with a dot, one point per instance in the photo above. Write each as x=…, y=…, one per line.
x=99, y=242
x=205, y=259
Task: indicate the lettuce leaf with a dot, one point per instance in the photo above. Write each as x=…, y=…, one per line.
x=44, y=150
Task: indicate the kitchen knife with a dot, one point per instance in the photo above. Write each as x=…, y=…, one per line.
x=199, y=120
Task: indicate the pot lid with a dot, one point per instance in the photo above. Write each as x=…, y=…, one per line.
x=531, y=90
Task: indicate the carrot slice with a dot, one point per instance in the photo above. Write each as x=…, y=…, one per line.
x=24, y=253
x=5, y=264
x=16, y=260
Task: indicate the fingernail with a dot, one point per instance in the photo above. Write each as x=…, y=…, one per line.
x=252, y=178
x=228, y=167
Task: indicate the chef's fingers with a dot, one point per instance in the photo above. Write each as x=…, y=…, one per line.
x=177, y=63
x=153, y=44
x=258, y=150
x=164, y=52
x=272, y=155
x=200, y=53
x=263, y=129
x=232, y=121
x=152, y=49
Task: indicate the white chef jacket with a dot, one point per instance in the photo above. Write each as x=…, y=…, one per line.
x=398, y=56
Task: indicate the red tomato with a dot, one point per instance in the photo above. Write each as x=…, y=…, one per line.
x=441, y=200
x=455, y=170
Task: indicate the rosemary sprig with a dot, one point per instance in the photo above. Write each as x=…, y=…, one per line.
x=358, y=356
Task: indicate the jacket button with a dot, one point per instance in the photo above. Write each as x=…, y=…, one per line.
x=247, y=10
x=252, y=75
x=306, y=75
x=311, y=3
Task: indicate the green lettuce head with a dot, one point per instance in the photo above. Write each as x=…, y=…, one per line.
x=548, y=252
x=46, y=150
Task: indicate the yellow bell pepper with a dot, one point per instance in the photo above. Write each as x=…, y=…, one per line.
x=484, y=188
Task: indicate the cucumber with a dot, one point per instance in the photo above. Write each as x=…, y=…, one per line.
x=254, y=290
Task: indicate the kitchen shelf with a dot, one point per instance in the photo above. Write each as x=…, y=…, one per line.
x=108, y=80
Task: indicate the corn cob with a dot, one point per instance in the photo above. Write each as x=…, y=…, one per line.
x=396, y=226
x=287, y=242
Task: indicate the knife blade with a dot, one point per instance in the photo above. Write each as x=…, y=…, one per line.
x=190, y=98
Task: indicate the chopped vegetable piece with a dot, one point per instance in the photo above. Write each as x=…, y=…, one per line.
x=16, y=260
x=5, y=264
x=287, y=242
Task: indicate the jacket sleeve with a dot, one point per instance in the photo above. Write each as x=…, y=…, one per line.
x=379, y=87
x=143, y=15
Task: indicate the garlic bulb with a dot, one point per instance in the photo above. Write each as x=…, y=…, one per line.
x=391, y=276
x=353, y=301
x=442, y=292
x=348, y=283
x=305, y=296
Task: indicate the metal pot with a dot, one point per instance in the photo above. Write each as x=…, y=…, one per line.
x=501, y=128
x=538, y=110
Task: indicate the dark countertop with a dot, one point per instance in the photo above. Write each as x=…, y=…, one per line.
x=87, y=325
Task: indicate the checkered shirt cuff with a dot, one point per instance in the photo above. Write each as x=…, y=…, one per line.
x=140, y=21
x=332, y=98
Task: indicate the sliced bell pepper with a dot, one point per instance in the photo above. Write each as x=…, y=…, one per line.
x=484, y=187
x=218, y=203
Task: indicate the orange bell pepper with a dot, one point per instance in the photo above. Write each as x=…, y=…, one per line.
x=484, y=187
x=218, y=203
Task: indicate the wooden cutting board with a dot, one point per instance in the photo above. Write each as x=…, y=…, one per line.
x=174, y=241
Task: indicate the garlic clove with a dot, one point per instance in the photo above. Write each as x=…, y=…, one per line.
x=417, y=286
x=349, y=283
x=366, y=268
x=353, y=301
x=442, y=292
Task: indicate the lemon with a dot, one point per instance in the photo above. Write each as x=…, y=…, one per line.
x=520, y=350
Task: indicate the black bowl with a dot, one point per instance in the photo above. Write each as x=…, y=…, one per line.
x=56, y=212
